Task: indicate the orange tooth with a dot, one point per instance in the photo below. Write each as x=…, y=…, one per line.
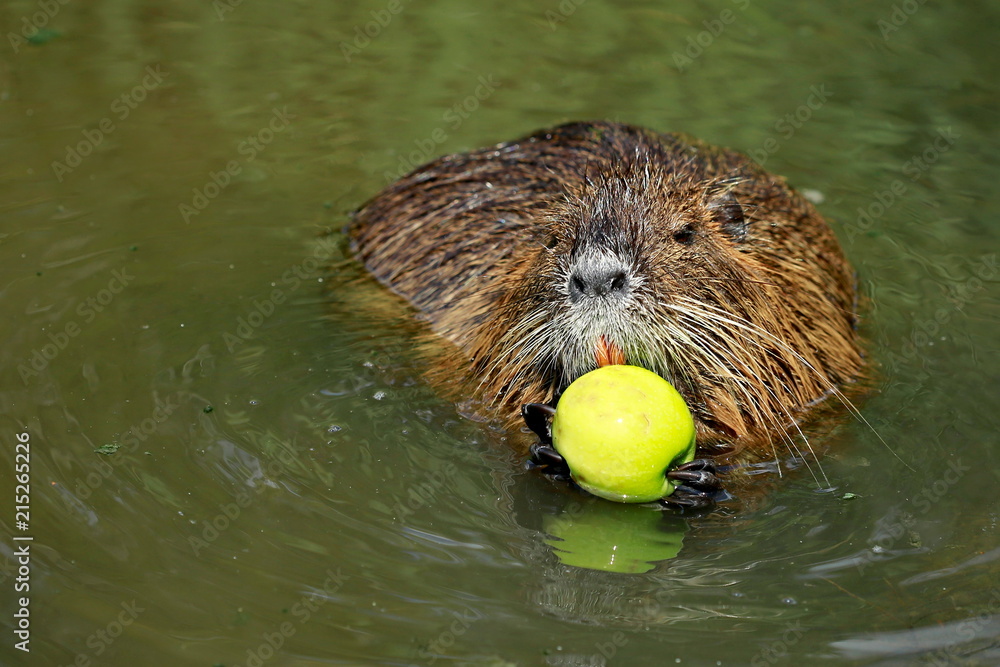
x=609, y=354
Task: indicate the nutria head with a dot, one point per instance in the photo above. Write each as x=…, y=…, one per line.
x=678, y=270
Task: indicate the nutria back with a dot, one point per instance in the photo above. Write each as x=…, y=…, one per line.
x=690, y=259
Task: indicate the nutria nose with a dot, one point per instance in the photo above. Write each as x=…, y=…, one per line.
x=597, y=277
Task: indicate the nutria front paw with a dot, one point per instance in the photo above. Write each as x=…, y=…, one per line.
x=699, y=483
x=548, y=461
x=538, y=417
x=544, y=457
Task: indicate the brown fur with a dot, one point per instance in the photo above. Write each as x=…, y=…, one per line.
x=738, y=291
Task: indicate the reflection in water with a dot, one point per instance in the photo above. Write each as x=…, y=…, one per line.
x=602, y=536
x=584, y=531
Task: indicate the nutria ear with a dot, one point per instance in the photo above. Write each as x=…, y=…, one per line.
x=727, y=211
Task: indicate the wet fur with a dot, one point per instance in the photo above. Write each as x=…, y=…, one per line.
x=738, y=291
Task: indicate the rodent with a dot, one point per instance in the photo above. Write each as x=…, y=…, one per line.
x=691, y=259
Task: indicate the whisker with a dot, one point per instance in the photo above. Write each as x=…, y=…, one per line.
x=727, y=318
x=703, y=346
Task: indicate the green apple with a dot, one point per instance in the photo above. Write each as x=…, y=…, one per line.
x=620, y=428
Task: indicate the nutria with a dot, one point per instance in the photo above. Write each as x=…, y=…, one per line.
x=687, y=259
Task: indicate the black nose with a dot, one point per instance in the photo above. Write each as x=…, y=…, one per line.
x=598, y=276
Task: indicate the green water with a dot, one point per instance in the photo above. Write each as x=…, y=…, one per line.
x=288, y=491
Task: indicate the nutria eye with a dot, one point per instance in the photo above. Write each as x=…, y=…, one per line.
x=551, y=243
x=685, y=235
x=729, y=214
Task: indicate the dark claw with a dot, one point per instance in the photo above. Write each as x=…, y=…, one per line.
x=545, y=455
x=684, y=497
x=699, y=484
x=538, y=417
x=698, y=464
x=549, y=461
x=695, y=478
x=699, y=474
